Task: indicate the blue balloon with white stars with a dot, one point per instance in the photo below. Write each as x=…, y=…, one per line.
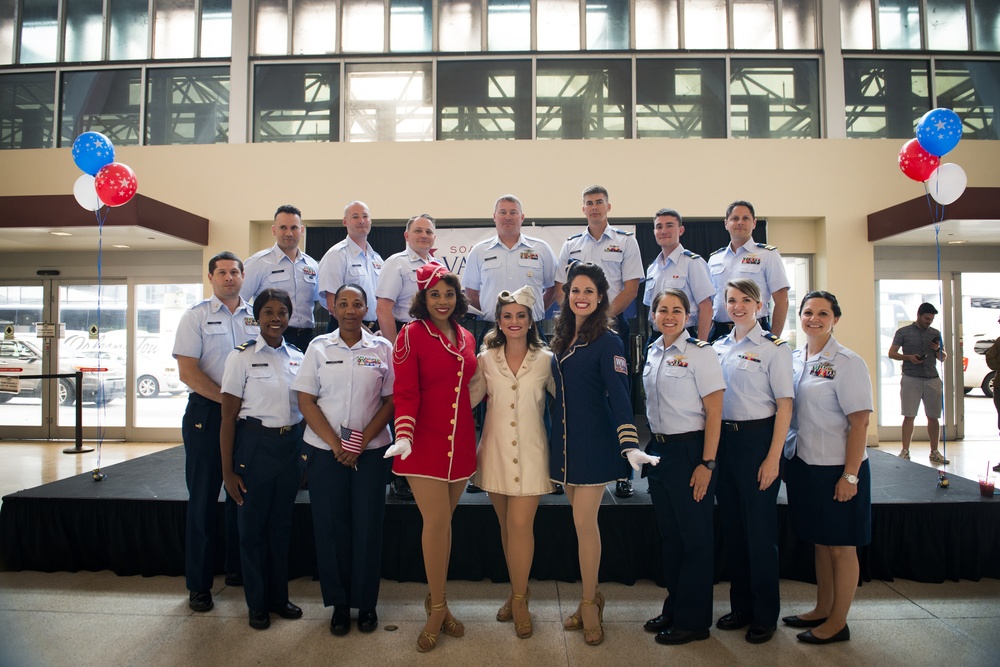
x=91, y=151
x=939, y=131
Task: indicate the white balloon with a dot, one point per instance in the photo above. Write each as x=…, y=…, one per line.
x=947, y=183
x=86, y=194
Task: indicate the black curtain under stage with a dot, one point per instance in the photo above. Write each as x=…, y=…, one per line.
x=133, y=523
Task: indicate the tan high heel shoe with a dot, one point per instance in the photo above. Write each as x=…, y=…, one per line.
x=505, y=613
x=594, y=636
x=523, y=629
x=428, y=640
x=451, y=626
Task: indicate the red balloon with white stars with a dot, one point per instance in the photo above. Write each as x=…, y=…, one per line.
x=916, y=162
x=115, y=184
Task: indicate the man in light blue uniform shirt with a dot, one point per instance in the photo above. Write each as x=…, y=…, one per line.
x=283, y=266
x=509, y=260
x=681, y=269
x=353, y=260
x=206, y=334
x=397, y=283
x=743, y=258
x=617, y=253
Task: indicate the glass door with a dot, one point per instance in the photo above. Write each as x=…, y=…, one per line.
x=22, y=354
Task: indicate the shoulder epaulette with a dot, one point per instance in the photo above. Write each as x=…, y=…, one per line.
x=692, y=255
x=767, y=247
x=697, y=341
x=575, y=236
x=242, y=347
x=774, y=339
x=722, y=249
x=623, y=232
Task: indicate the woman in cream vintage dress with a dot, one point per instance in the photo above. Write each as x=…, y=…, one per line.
x=515, y=369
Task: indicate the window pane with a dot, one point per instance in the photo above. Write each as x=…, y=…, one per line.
x=885, y=98
x=391, y=103
x=753, y=25
x=460, y=25
x=899, y=24
x=410, y=25
x=216, y=28
x=84, y=30
x=856, y=24
x=584, y=99
x=774, y=98
x=27, y=105
x=607, y=24
x=484, y=99
x=799, y=24
x=558, y=25
x=173, y=29
x=681, y=98
x=363, y=30
x=39, y=31
x=105, y=101
x=986, y=23
x=947, y=25
x=972, y=90
x=272, y=27
x=508, y=25
x=314, y=27
x=129, y=29
x=7, y=31
x=297, y=102
x=656, y=24
x=705, y=24
x=187, y=106
x=22, y=306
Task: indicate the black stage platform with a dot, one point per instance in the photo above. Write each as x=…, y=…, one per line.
x=133, y=523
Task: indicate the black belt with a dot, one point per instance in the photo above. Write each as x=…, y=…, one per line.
x=677, y=438
x=258, y=425
x=194, y=397
x=748, y=425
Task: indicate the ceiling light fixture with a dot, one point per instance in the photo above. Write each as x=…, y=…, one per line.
x=60, y=234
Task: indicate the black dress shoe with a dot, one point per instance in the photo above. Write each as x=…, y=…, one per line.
x=558, y=491
x=259, y=620
x=797, y=622
x=733, y=621
x=758, y=635
x=287, y=610
x=367, y=620
x=234, y=579
x=472, y=488
x=809, y=638
x=623, y=489
x=200, y=601
x=661, y=622
x=400, y=489
x=340, y=624
x=674, y=637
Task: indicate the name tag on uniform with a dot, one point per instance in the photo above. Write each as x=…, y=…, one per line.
x=339, y=361
x=277, y=271
x=264, y=365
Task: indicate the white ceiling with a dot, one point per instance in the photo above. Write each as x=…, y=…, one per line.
x=970, y=232
x=35, y=239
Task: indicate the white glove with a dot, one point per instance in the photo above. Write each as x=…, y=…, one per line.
x=636, y=457
x=401, y=448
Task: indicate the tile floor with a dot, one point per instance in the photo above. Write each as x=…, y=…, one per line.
x=91, y=618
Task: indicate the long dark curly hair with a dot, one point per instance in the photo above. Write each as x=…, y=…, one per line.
x=596, y=323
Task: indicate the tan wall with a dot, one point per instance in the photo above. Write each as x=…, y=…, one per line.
x=816, y=193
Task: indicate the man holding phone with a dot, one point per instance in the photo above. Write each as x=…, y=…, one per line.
x=919, y=347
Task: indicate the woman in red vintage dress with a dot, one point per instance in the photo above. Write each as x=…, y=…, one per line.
x=434, y=359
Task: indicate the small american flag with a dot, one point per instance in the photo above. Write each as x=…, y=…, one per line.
x=350, y=439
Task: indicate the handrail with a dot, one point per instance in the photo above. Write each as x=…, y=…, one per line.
x=78, y=448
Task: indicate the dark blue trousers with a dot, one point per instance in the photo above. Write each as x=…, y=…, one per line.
x=268, y=464
x=348, y=508
x=749, y=519
x=203, y=473
x=686, y=528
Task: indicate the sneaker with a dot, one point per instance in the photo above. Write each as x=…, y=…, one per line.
x=905, y=455
x=937, y=457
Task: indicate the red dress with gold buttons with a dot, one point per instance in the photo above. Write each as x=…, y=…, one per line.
x=431, y=398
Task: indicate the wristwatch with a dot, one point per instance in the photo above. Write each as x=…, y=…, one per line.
x=851, y=479
x=708, y=464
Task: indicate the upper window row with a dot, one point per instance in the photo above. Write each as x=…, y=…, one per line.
x=920, y=25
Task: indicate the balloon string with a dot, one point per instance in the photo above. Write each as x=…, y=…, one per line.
x=101, y=403
x=937, y=246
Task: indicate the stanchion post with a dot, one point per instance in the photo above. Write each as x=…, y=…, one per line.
x=79, y=448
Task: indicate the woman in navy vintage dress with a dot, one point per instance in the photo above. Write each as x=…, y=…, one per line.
x=434, y=360
x=828, y=476
x=594, y=438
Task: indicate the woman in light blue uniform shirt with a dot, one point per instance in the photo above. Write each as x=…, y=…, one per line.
x=684, y=386
x=345, y=394
x=260, y=438
x=828, y=476
x=756, y=411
